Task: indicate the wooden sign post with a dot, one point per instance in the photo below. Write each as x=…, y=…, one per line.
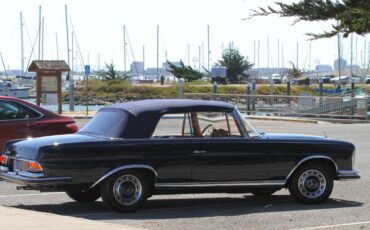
x=49, y=81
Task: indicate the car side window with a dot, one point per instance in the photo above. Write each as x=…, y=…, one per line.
x=174, y=125
x=218, y=125
x=12, y=110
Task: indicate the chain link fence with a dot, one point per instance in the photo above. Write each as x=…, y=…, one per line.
x=295, y=106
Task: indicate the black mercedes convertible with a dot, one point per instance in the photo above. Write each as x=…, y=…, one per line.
x=133, y=150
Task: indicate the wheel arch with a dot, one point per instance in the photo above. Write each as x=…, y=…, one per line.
x=145, y=169
x=328, y=161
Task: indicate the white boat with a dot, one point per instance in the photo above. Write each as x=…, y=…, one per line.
x=9, y=88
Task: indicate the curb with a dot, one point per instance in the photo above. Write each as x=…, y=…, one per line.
x=26, y=219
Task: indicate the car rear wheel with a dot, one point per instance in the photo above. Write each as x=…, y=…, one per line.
x=264, y=192
x=84, y=196
x=311, y=183
x=125, y=191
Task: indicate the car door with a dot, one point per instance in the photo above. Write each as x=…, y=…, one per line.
x=171, y=150
x=230, y=156
x=12, y=125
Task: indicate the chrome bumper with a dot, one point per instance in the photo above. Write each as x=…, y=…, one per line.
x=32, y=179
x=348, y=175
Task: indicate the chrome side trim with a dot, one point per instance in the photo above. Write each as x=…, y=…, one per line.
x=123, y=168
x=307, y=159
x=30, y=175
x=220, y=184
x=4, y=169
x=348, y=175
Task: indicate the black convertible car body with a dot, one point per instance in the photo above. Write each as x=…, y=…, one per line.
x=130, y=151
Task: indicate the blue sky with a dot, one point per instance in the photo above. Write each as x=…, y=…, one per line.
x=98, y=26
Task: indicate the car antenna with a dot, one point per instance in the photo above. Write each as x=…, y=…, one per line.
x=325, y=134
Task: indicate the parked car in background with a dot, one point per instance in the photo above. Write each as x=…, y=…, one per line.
x=342, y=80
x=367, y=80
x=21, y=119
x=133, y=150
x=276, y=78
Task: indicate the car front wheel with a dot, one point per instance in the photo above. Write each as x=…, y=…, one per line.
x=311, y=183
x=125, y=191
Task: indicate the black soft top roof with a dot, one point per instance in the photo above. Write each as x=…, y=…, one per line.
x=144, y=115
x=162, y=106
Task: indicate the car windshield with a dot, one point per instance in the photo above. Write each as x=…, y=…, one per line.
x=252, y=132
x=107, y=123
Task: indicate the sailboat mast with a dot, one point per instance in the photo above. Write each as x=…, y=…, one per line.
x=124, y=49
x=144, y=63
x=208, y=53
x=157, y=52
x=199, y=58
x=22, y=46
x=57, y=45
x=351, y=54
x=268, y=52
x=39, y=54
x=67, y=32
x=188, y=54
x=339, y=55
x=309, y=57
x=42, y=37
x=278, y=65
x=297, y=55
x=2, y=61
x=254, y=54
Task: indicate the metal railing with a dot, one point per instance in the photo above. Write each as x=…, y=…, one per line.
x=297, y=106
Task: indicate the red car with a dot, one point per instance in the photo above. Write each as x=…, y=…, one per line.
x=21, y=119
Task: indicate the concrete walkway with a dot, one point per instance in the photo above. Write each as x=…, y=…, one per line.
x=15, y=218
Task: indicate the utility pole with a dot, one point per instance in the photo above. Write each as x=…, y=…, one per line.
x=268, y=52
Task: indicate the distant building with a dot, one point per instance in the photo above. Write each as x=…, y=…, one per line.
x=253, y=73
x=354, y=67
x=343, y=64
x=137, y=68
x=323, y=68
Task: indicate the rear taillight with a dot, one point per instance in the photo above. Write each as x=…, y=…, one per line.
x=3, y=160
x=72, y=126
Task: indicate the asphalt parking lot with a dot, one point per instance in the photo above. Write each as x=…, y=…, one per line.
x=348, y=207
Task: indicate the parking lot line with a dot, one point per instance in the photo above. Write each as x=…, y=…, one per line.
x=33, y=194
x=333, y=226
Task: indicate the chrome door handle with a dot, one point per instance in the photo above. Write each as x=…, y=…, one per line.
x=199, y=151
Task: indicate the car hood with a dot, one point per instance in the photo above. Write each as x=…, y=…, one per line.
x=29, y=148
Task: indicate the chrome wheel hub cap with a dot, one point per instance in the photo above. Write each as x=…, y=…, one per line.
x=312, y=183
x=127, y=189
